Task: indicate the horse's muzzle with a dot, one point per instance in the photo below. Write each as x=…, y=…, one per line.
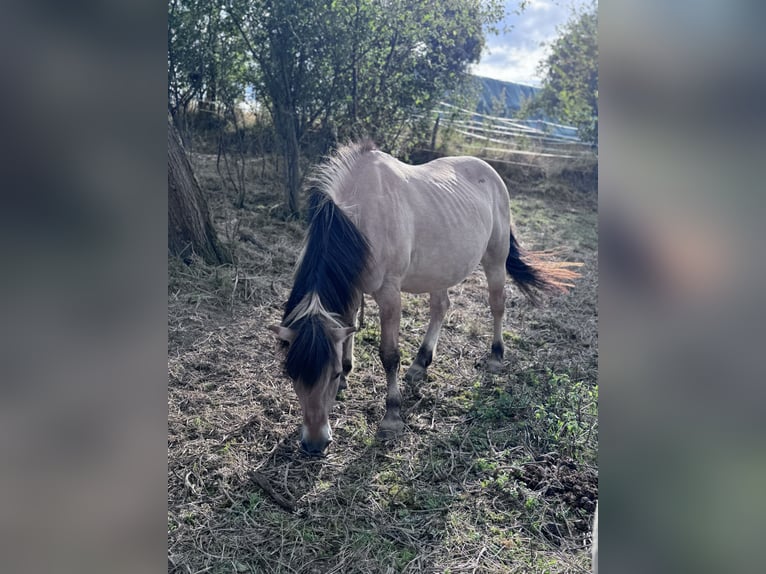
x=315, y=448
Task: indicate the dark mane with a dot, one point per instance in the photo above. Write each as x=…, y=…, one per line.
x=310, y=352
x=334, y=257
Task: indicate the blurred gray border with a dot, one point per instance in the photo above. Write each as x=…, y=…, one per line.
x=83, y=409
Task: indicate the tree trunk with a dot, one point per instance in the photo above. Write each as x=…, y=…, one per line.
x=292, y=164
x=291, y=152
x=189, y=226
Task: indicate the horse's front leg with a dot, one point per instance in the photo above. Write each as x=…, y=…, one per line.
x=348, y=346
x=390, y=303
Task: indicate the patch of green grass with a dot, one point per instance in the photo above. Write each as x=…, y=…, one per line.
x=357, y=427
x=308, y=535
x=462, y=528
x=189, y=517
x=364, y=358
x=388, y=477
x=368, y=440
x=529, y=378
x=200, y=425
x=400, y=495
x=499, y=405
x=488, y=466
x=466, y=397
x=370, y=333
x=404, y=557
x=228, y=446
x=383, y=550
x=254, y=501
x=430, y=500
x=566, y=416
x=405, y=355
x=531, y=503
x=322, y=486
x=366, y=539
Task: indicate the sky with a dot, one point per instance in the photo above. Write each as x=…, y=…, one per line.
x=513, y=54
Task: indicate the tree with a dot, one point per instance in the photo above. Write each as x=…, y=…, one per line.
x=570, y=75
x=342, y=68
x=189, y=225
x=290, y=43
x=365, y=65
x=408, y=54
x=206, y=56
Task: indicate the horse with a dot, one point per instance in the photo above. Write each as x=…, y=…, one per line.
x=379, y=226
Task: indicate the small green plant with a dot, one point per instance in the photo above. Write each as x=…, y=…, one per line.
x=404, y=557
x=368, y=334
x=497, y=406
x=308, y=535
x=254, y=500
x=567, y=415
x=486, y=465
x=188, y=517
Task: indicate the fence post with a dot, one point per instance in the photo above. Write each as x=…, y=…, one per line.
x=433, y=134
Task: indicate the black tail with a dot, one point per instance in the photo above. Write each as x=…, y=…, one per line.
x=534, y=273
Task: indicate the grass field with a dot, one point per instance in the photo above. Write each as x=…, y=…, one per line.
x=494, y=473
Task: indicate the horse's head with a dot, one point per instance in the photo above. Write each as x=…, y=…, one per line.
x=313, y=362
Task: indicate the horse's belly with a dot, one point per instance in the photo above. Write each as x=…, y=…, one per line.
x=423, y=283
x=437, y=269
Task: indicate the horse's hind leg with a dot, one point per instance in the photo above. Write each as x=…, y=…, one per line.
x=439, y=307
x=496, y=282
x=389, y=301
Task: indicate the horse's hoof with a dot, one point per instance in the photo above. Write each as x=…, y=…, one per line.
x=415, y=373
x=390, y=429
x=494, y=366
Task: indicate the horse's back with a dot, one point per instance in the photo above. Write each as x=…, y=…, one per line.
x=428, y=225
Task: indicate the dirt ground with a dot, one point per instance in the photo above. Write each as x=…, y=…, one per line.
x=494, y=473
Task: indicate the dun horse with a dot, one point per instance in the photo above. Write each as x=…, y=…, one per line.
x=380, y=226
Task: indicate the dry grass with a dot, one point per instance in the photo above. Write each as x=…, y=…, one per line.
x=492, y=474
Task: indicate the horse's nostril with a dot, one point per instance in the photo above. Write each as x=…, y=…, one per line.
x=313, y=449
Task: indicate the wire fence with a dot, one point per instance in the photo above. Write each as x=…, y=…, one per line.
x=509, y=140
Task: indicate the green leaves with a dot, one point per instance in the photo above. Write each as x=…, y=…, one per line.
x=570, y=84
x=206, y=57
x=345, y=67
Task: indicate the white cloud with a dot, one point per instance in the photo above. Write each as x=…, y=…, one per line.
x=514, y=57
x=540, y=6
x=511, y=64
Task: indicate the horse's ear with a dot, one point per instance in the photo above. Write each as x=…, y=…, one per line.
x=287, y=335
x=340, y=335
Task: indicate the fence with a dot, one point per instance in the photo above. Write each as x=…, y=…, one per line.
x=509, y=140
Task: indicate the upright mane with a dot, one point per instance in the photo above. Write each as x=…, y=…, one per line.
x=335, y=252
x=328, y=274
x=331, y=174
